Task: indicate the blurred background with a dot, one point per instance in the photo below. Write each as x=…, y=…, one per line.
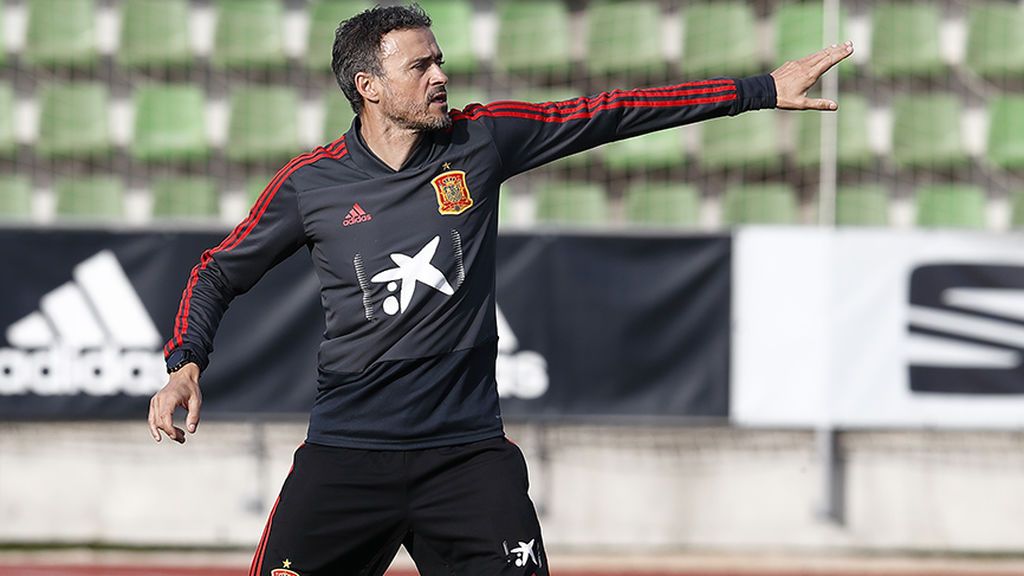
x=752, y=345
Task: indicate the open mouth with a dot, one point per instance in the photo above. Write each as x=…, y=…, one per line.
x=439, y=98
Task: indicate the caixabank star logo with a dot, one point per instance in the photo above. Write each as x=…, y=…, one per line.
x=966, y=324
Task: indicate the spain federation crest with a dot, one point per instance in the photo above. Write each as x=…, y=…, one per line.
x=452, y=193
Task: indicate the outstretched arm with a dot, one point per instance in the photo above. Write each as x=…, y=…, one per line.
x=793, y=79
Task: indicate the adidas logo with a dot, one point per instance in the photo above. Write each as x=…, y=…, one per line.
x=519, y=373
x=356, y=215
x=91, y=335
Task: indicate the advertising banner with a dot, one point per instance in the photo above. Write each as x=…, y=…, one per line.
x=588, y=326
x=869, y=328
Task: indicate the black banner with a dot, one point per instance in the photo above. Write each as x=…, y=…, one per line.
x=589, y=326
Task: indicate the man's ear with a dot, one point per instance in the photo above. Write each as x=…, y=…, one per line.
x=368, y=86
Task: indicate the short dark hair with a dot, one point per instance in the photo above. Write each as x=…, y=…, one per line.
x=357, y=44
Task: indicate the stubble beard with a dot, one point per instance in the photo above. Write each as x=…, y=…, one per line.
x=413, y=116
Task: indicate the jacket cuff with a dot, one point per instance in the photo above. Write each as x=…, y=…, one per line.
x=195, y=355
x=754, y=93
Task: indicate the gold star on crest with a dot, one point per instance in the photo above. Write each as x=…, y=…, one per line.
x=446, y=166
x=287, y=564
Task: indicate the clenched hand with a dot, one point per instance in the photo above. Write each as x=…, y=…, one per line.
x=793, y=79
x=182, y=389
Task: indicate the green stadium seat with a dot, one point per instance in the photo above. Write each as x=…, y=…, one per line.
x=662, y=149
x=533, y=37
x=8, y=140
x=154, y=34
x=338, y=115
x=61, y=33
x=720, y=39
x=760, y=204
x=3, y=43
x=800, y=30
x=453, y=28
x=746, y=141
x=862, y=206
x=74, y=121
x=905, y=39
x=1017, y=209
x=460, y=96
x=1006, y=132
x=926, y=131
x=995, y=45
x=950, y=206
x=623, y=38
x=185, y=197
x=663, y=205
x=170, y=123
x=854, y=149
x=249, y=34
x=100, y=197
x=264, y=125
x=324, y=17
x=15, y=198
x=571, y=203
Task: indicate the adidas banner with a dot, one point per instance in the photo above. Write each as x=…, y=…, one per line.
x=588, y=326
x=866, y=328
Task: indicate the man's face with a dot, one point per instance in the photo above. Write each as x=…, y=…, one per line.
x=413, y=91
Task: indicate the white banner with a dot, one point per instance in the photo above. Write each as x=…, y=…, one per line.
x=878, y=328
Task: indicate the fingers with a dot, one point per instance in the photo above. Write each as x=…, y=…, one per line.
x=820, y=104
x=192, y=420
x=831, y=56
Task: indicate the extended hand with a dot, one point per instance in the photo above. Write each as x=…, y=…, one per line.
x=793, y=79
x=182, y=389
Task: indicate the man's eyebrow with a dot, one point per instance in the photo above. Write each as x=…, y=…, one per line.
x=427, y=58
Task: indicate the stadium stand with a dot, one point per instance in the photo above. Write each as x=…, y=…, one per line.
x=338, y=116
x=720, y=39
x=453, y=28
x=624, y=38
x=572, y=203
x=249, y=35
x=905, y=39
x=74, y=121
x=170, y=123
x=1006, y=132
x=926, y=131
x=184, y=198
x=854, y=144
x=663, y=149
x=760, y=204
x=995, y=46
x=950, y=206
x=61, y=33
x=747, y=141
x=324, y=16
x=96, y=197
x=799, y=30
x=8, y=140
x=154, y=34
x=665, y=205
x=264, y=124
x=533, y=37
x=15, y=198
x=866, y=205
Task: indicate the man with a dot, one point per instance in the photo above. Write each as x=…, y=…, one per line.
x=405, y=441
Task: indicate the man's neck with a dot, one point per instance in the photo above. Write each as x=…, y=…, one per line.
x=389, y=142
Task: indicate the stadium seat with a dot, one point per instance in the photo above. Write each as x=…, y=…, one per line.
x=662, y=149
x=460, y=96
x=862, y=206
x=185, y=197
x=800, y=30
x=926, y=131
x=453, y=27
x=663, y=205
x=533, y=37
x=760, y=204
x=720, y=39
x=572, y=203
x=324, y=17
x=61, y=33
x=1006, y=132
x=950, y=206
x=337, y=116
x=8, y=141
x=249, y=34
x=95, y=197
x=905, y=39
x=995, y=45
x=170, y=123
x=15, y=198
x=1017, y=210
x=154, y=34
x=264, y=125
x=746, y=141
x=3, y=42
x=624, y=38
x=854, y=146
x=74, y=121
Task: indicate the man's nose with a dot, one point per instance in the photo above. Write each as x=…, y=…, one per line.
x=440, y=78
